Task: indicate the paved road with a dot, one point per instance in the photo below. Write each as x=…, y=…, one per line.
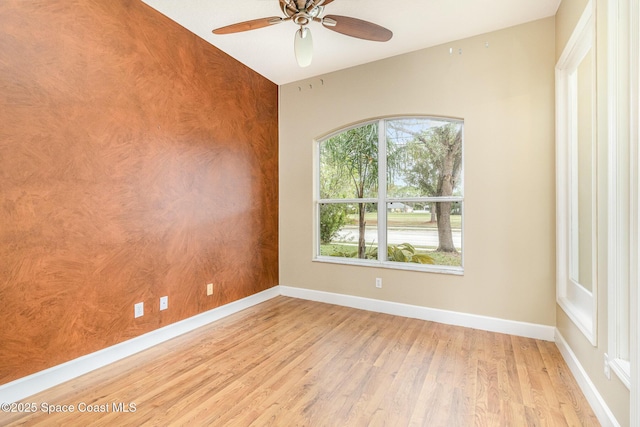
x=415, y=236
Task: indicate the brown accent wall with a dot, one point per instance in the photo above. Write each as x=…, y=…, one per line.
x=136, y=161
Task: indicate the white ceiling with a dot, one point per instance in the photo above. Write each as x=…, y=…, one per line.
x=416, y=24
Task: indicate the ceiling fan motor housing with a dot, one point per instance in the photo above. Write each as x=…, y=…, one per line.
x=302, y=16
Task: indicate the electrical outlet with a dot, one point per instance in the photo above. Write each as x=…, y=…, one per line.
x=607, y=367
x=210, y=289
x=164, y=303
x=378, y=282
x=138, y=310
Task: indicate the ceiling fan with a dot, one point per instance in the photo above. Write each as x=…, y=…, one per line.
x=302, y=13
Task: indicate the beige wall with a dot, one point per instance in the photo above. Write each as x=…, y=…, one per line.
x=614, y=393
x=505, y=94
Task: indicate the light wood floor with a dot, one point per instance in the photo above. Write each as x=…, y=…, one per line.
x=290, y=362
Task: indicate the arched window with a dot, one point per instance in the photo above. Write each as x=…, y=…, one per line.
x=395, y=184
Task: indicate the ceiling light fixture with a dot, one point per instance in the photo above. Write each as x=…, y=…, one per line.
x=303, y=47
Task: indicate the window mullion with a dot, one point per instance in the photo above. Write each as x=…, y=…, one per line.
x=352, y=200
x=425, y=199
x=382, y=191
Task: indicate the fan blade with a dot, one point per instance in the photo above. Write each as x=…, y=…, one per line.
x=248, y=25
x=326, y=2
x=356, y=28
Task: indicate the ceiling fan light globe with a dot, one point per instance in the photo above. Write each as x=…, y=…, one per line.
x=303, y=47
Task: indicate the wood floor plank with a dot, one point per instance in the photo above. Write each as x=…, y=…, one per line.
x=565, y=386
x=292, y=362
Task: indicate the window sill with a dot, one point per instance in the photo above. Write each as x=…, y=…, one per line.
x=424, y=268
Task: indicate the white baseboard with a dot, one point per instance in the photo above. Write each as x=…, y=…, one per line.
x=35, y=383
x=600, y=408
x=40, y=381
x=524, y=329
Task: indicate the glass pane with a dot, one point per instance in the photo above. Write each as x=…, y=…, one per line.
x=349, y=164
x=349, y=230
x=426, y=233
x=424, y=157
x=582, y=178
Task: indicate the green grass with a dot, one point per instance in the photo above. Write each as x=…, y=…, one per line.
x=440, y=258
x=445, y=258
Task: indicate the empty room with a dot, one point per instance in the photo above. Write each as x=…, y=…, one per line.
x=319, y=212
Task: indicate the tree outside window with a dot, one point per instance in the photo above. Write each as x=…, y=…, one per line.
x=395, y=183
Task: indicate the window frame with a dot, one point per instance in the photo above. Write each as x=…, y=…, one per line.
x=580, y=304
x=622, y=185
x=382, y=199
